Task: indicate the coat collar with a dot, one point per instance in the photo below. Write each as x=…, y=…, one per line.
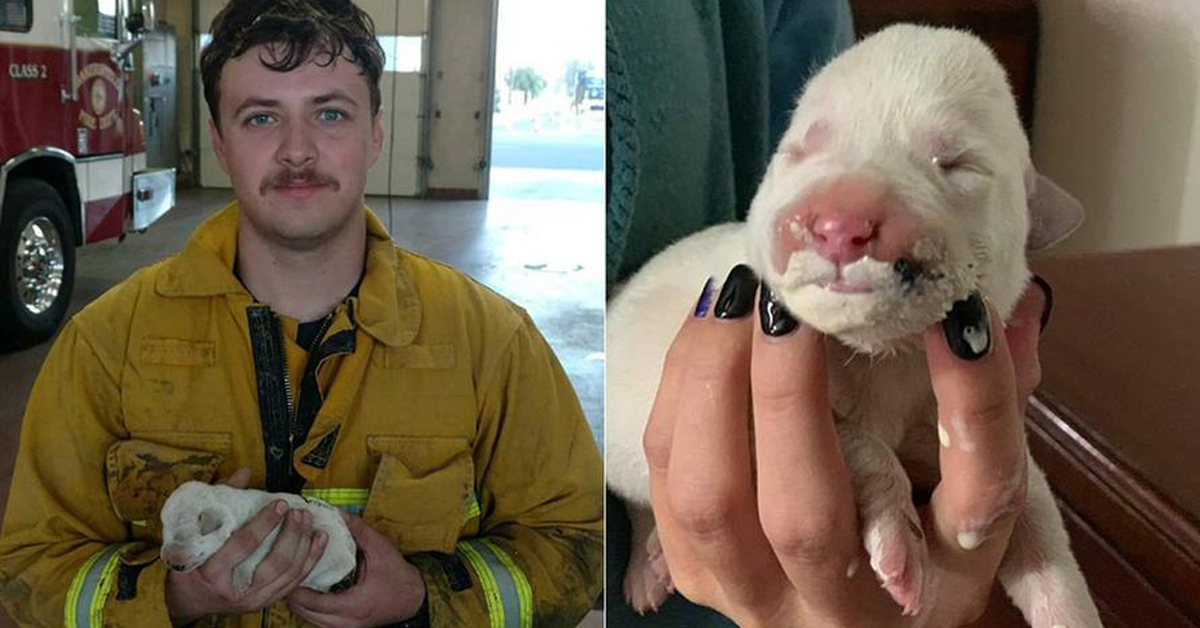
x=387, y=305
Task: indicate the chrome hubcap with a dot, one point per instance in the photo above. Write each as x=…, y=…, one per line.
x=39, y=265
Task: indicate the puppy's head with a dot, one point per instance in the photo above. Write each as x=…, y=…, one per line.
x=903, y=184
x=195, y=525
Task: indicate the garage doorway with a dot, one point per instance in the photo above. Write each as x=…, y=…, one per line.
x=548, y=102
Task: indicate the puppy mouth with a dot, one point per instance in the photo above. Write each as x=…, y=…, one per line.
x=845, y=287
x=868, y=275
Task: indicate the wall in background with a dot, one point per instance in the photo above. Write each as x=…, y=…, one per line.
x=1117, y=118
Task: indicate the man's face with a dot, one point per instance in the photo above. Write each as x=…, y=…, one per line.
x=297, y=146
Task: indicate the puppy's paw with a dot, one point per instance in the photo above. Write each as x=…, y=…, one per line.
x=1054, y=597
x=647, y=580
x=899, y=558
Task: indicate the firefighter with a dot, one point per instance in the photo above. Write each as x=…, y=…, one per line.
x=292, y=338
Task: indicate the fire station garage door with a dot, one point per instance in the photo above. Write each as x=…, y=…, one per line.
x=402, y=28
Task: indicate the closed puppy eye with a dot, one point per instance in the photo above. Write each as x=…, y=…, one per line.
x=208, y=522
x=959, y=164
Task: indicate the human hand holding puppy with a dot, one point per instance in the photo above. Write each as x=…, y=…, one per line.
x=209, y=589
x=771, y=537
x=388, y=589
x=236, y=576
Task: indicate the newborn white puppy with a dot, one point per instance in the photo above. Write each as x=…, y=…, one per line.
x=197, y=519
x=902, y=186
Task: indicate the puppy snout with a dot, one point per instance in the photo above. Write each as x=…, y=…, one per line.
x=175, y=557
x=843, y=237
x=846, y=220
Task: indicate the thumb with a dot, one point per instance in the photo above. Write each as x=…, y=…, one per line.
x=239, y=479
x=359, y=529
x=369, y=540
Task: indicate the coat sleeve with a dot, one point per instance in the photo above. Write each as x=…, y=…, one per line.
x=537, y=560
x=65, y=556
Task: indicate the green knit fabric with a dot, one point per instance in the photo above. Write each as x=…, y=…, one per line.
x=698, y=92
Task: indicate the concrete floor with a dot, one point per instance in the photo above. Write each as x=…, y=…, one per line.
x=545, y=255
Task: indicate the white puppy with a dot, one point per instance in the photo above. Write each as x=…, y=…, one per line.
x=197, y=519
x=903, y=185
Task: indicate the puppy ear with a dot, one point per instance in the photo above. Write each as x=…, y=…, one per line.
x=1053, y=213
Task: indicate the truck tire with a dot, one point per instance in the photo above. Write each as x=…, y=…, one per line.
x=37, y=263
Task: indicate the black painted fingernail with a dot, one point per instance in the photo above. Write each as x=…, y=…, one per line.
x=966, y=327
x=737, y=295
x=1049, y=304
x=705, y=299
x=776, y=320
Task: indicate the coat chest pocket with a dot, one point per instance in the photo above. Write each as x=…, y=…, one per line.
x=142, y=472
x=423, y=491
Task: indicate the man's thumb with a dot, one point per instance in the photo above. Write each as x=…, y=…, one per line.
x=239, y=479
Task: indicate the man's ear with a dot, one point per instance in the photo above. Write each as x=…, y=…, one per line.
x=1053, y=213
x=218, y=145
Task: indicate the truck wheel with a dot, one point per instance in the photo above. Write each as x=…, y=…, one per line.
x=37, y=263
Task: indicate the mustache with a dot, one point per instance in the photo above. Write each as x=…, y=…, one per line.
x=308, y=176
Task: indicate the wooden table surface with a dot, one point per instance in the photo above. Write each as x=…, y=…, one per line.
x=1123, y=352
x=1116, y=425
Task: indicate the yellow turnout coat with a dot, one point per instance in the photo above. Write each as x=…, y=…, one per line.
x=444, y=420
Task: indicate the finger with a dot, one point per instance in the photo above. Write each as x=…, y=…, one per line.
x=660, y=430
x=982, y=453
x=360, y=530
x=1024, y=332
x=302, y=561
x=243, y=542
x=239, y=479
x=709, y=486
x=332, y=604
x=805, y=497
x=660, y=427
x=316, y=550
x=279, y=567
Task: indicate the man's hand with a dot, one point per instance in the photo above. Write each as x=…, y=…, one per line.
x=209, y=589
x=387, y=590
x=772, y=540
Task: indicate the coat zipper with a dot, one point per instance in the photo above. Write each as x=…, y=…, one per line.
x=293, y=404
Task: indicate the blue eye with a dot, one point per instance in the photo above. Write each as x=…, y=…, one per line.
x=338, y=115
x=258, y=119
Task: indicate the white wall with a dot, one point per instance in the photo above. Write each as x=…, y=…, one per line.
x=1117, y=118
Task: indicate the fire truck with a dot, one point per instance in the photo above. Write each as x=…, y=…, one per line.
x=72, y=151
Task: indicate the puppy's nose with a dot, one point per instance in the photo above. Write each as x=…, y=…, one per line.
x=842, y=237
x=844, y=221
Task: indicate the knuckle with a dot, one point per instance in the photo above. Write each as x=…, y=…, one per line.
x=807, y=539
x=715, y=368
x=656, y=444
x=777, y=398
x=703, y=516
x=993, y=409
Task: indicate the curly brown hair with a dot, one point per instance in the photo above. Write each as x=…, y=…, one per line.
x=296, y=31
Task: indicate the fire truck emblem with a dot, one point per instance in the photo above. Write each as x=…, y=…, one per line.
x=99, y=79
